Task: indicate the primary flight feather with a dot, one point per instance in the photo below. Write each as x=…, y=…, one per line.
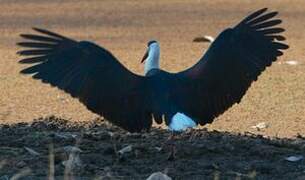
x=194, y=96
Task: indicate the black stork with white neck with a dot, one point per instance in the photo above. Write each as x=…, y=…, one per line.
x=185, y=99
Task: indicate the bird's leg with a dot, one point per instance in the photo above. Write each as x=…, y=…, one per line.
x=192, y=133
x=172, y=154
x=172, y=146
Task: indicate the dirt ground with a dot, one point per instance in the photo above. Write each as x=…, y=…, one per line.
x=223, y=150
x=94, y=152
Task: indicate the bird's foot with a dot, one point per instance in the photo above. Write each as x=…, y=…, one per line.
x=172, y=154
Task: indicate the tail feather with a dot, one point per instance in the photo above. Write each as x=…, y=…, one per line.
x=181, y=122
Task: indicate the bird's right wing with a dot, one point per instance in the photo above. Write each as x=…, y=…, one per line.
x=91, y=74
x=234, y=60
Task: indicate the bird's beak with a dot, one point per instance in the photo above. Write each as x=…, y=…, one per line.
x=144, y=57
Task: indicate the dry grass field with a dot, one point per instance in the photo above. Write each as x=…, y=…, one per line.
x=124, y=27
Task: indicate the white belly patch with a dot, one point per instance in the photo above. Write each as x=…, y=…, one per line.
x=181, y=122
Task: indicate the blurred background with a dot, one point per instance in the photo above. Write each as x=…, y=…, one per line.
x=276, y=100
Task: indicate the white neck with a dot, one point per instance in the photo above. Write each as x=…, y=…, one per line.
x=152, y=61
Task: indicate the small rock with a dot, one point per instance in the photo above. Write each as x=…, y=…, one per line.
x=31, y=151
x=260, y=126
x=294, y=158
x=158, y=148
x=134, y=135
x=125, y=149
x=72, y=149
x=62, y=99
x=97, y=135
x=62, y=136
x=291, y=62
x=111, y=134
x=158, y=176
x=65, y=136
x=21, y=164
x=205, y=38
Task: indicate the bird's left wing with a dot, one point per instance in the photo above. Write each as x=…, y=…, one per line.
x=91, y=74
x=234, y=60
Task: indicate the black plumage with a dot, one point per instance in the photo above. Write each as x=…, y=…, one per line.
x=217, y=81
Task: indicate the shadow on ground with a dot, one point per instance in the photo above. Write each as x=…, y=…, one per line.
x=55, y=147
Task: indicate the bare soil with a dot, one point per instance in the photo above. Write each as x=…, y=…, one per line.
x=199, y=154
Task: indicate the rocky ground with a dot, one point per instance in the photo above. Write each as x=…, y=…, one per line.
x=55, y=147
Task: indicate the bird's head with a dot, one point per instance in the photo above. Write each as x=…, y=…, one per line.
x=153, y=49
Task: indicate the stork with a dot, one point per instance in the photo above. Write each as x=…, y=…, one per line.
x=183, y=100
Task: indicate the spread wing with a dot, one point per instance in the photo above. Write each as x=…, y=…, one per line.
x=91, y=74
x=234, y=60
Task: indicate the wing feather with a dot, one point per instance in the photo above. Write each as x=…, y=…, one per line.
x=91, y=74
x=234, y=60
